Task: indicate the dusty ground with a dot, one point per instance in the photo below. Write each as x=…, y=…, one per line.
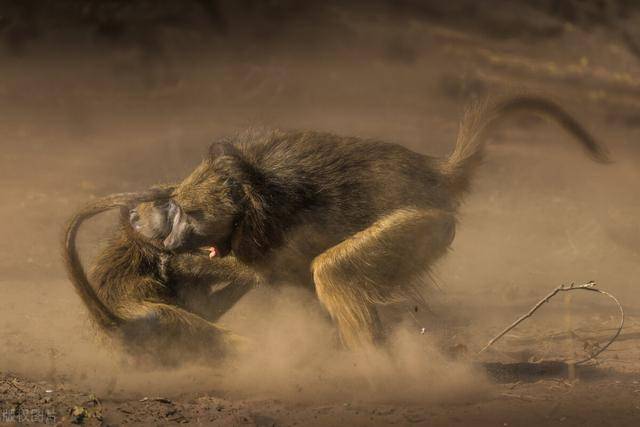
x=80, y=123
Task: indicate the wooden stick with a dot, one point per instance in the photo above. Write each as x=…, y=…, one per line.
x=589, y=286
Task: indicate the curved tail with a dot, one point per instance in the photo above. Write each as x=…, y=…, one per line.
x=101, y=313
x=480, y=120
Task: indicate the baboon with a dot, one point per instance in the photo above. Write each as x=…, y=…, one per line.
x=161, y=305
x=359, y=220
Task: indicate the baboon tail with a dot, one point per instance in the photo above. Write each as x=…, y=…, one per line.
x=479, y=120
x=101, y=313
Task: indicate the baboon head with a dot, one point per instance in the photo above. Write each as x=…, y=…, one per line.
x=152, y=220
x=221, y=206
x=206, y=206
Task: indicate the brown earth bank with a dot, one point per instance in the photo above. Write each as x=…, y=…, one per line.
x=122, y=98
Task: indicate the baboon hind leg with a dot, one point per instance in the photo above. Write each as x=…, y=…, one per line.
x=170, y=334
x=379, y=265
x=211, y=304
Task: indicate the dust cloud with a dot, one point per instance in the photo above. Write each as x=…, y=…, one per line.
x=297, y=357
x=294, y=355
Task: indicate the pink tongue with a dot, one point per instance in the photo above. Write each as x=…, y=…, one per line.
x=213, y=252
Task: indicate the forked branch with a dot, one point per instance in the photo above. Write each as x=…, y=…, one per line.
x=589, y=286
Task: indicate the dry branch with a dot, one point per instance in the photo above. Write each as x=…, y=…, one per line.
x=589, y=286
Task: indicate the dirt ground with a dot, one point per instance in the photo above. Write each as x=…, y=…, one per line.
x=79, y=120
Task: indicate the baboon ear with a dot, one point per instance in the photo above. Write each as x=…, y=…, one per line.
x=179, y=227
x=223, y=147
x=250, y=239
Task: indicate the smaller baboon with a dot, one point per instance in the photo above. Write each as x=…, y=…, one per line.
x=361, y=221
x=161, y=305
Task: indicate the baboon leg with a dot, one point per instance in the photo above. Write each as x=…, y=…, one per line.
x=379, y=265
x=174, y=333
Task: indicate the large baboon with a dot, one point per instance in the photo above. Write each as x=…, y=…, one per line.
x=361, y=220
x=161, y=305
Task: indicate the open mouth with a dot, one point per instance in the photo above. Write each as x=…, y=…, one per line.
x=213, y=251
x=213, y=248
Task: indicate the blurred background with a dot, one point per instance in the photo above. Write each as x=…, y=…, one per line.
x=106, y=96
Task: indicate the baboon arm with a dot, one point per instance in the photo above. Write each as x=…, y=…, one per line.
x=207, y=288
x=379, y=265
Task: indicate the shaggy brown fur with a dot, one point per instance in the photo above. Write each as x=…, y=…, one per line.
x=359, y=220
x=161, y=305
